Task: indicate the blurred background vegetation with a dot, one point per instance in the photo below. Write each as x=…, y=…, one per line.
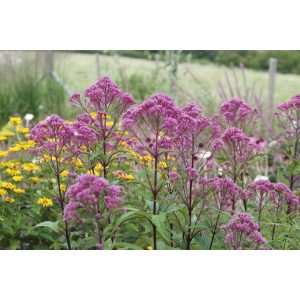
x=39, y=82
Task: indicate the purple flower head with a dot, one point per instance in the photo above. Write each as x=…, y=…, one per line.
x=285, y=195
x=192, y=173
x=237, y=113
x=237, y=147
x=225, y=192
x=288, y=116
x=105, y=94
x=152, y=121
x=242, y=232
x=89, y=193
x=51, y=136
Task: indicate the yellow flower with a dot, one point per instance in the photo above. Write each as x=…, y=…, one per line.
x=95, y=173
x=23, y=130
x=13, y=172
x=149, y=248
x=171, y=158
x=17, y=178
x=3, y=192
x=134, y=154
x=123, y=175
x=45, y=202
x=8, y=133
x=93, y=114
x=77, y=162
x=64, y=173
x=69, y=122
x=109, y=124
x=35, y=179
x=2, y=138
x=129, y=177
x=63, y=188
x=162, y=165
x=7, y=185
x=11, y=164
x=15, y=121
x=3, y=153
x=174, y=169
x=108, y=117
x=99, y=167
x=19, y=191
x=26, y=145
x=30, y=167
x=9, y=199
x=145, y=159
x=15, y=148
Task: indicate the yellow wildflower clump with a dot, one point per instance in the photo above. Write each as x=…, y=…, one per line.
x=162, y=165
x=99, y=167
x=17, y=178
x=93, y=173
x=63, y=187
x=93, y=114
x=7, y=185
x=45, y=202
x=26, y=145
x=8, y=134
x=123, y=175
x=13, y=172
x=23, y=130
x=15, y=121
x=146, y=159
x=64, y=173
x=35, y=179
x=109, y=124
x=3, y=153
x=19, y=191
x=3, y=192
x=9, y=200
x=15, y=148
x=30, y=167
x=2, y=138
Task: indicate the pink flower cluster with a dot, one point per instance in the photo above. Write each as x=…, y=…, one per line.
x=241, y=231
x=51, y=135
x=237, y=148
x=289, y=117
x=237, y=113
x=262, y=191
x=91, y=193
x=225, y=192
x=104, y=94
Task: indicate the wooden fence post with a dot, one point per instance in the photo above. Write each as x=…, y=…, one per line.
x=49, y=62
x=97, y=65
x=272, y=75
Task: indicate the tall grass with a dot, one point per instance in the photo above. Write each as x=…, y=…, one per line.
x=22, y=92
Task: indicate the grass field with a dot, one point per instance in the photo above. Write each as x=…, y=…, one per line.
x=79, y=71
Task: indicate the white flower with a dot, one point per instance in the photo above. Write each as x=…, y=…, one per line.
x=28, y=117
x=261, y=177
x=204, y=154
x=273, y=143
x=220, y=171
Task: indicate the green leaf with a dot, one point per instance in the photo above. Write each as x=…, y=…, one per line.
x=160, y=221
x=52, y=225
